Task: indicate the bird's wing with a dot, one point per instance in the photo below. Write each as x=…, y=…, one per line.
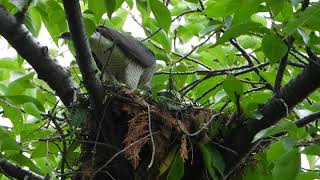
x=135, y=49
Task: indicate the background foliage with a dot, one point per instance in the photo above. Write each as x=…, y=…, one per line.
x=222, y=54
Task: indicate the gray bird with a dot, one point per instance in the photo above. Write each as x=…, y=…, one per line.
x=130, y=62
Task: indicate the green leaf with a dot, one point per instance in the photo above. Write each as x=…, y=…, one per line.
x=90, y=26
x=274, y=48
x=21, y=99
x=213, y=160
x=9, y=144
x=220, y=8
x=247, y=41
x=14, y=115
x=241, y=29
x=161, y=37
x=311, y=13
x=307, y=176
x=282, y=126
x=110, y=6
x=53, y=18
x=24, y=161
x=176, y=171
x=10, y=64
x=19, y=3
x=98, y=7
x=313, y=149
x=19, y=85
x=164, y=166
x=233, y=87
x=276, y=6
x=31, y=109
x=192, y=1
x=288, y=166
x=41, y=149
x=161, y=13
x=33, y=21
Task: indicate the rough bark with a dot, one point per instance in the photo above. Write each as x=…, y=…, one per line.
x=37, y=56
x=84, y=57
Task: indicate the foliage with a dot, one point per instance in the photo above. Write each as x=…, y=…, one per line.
x=212, y=51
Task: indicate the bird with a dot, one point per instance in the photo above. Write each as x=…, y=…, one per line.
x=122, y=57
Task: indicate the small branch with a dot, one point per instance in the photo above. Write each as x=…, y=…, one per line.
x=20, y=15
x=279, y=76
x=208, y=91
x=84, y=57
x=242, y=161
x=308, y=119
x=192, y=85
x=248, y=58
x=205, y=125
x=151, y=137
x=120, y=152
x=13, y=171
x=195, y=48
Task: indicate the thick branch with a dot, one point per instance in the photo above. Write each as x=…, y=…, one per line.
x=276, y=108
x=37, y=56
x=14, y=171
x=84, y=57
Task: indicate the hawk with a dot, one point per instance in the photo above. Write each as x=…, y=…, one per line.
x=122, y=56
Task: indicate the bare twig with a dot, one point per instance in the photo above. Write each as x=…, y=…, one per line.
x=120, y=152
x=151, y=137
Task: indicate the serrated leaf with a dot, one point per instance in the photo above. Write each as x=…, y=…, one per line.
x=176, y=171
x=274, y=48
x=161, y=13
x=288, y=166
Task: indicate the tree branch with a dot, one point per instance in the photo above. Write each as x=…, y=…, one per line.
x=308, y=119
x=276, y=108
x=37, y=56
x=84, y=57
x=14, y=171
